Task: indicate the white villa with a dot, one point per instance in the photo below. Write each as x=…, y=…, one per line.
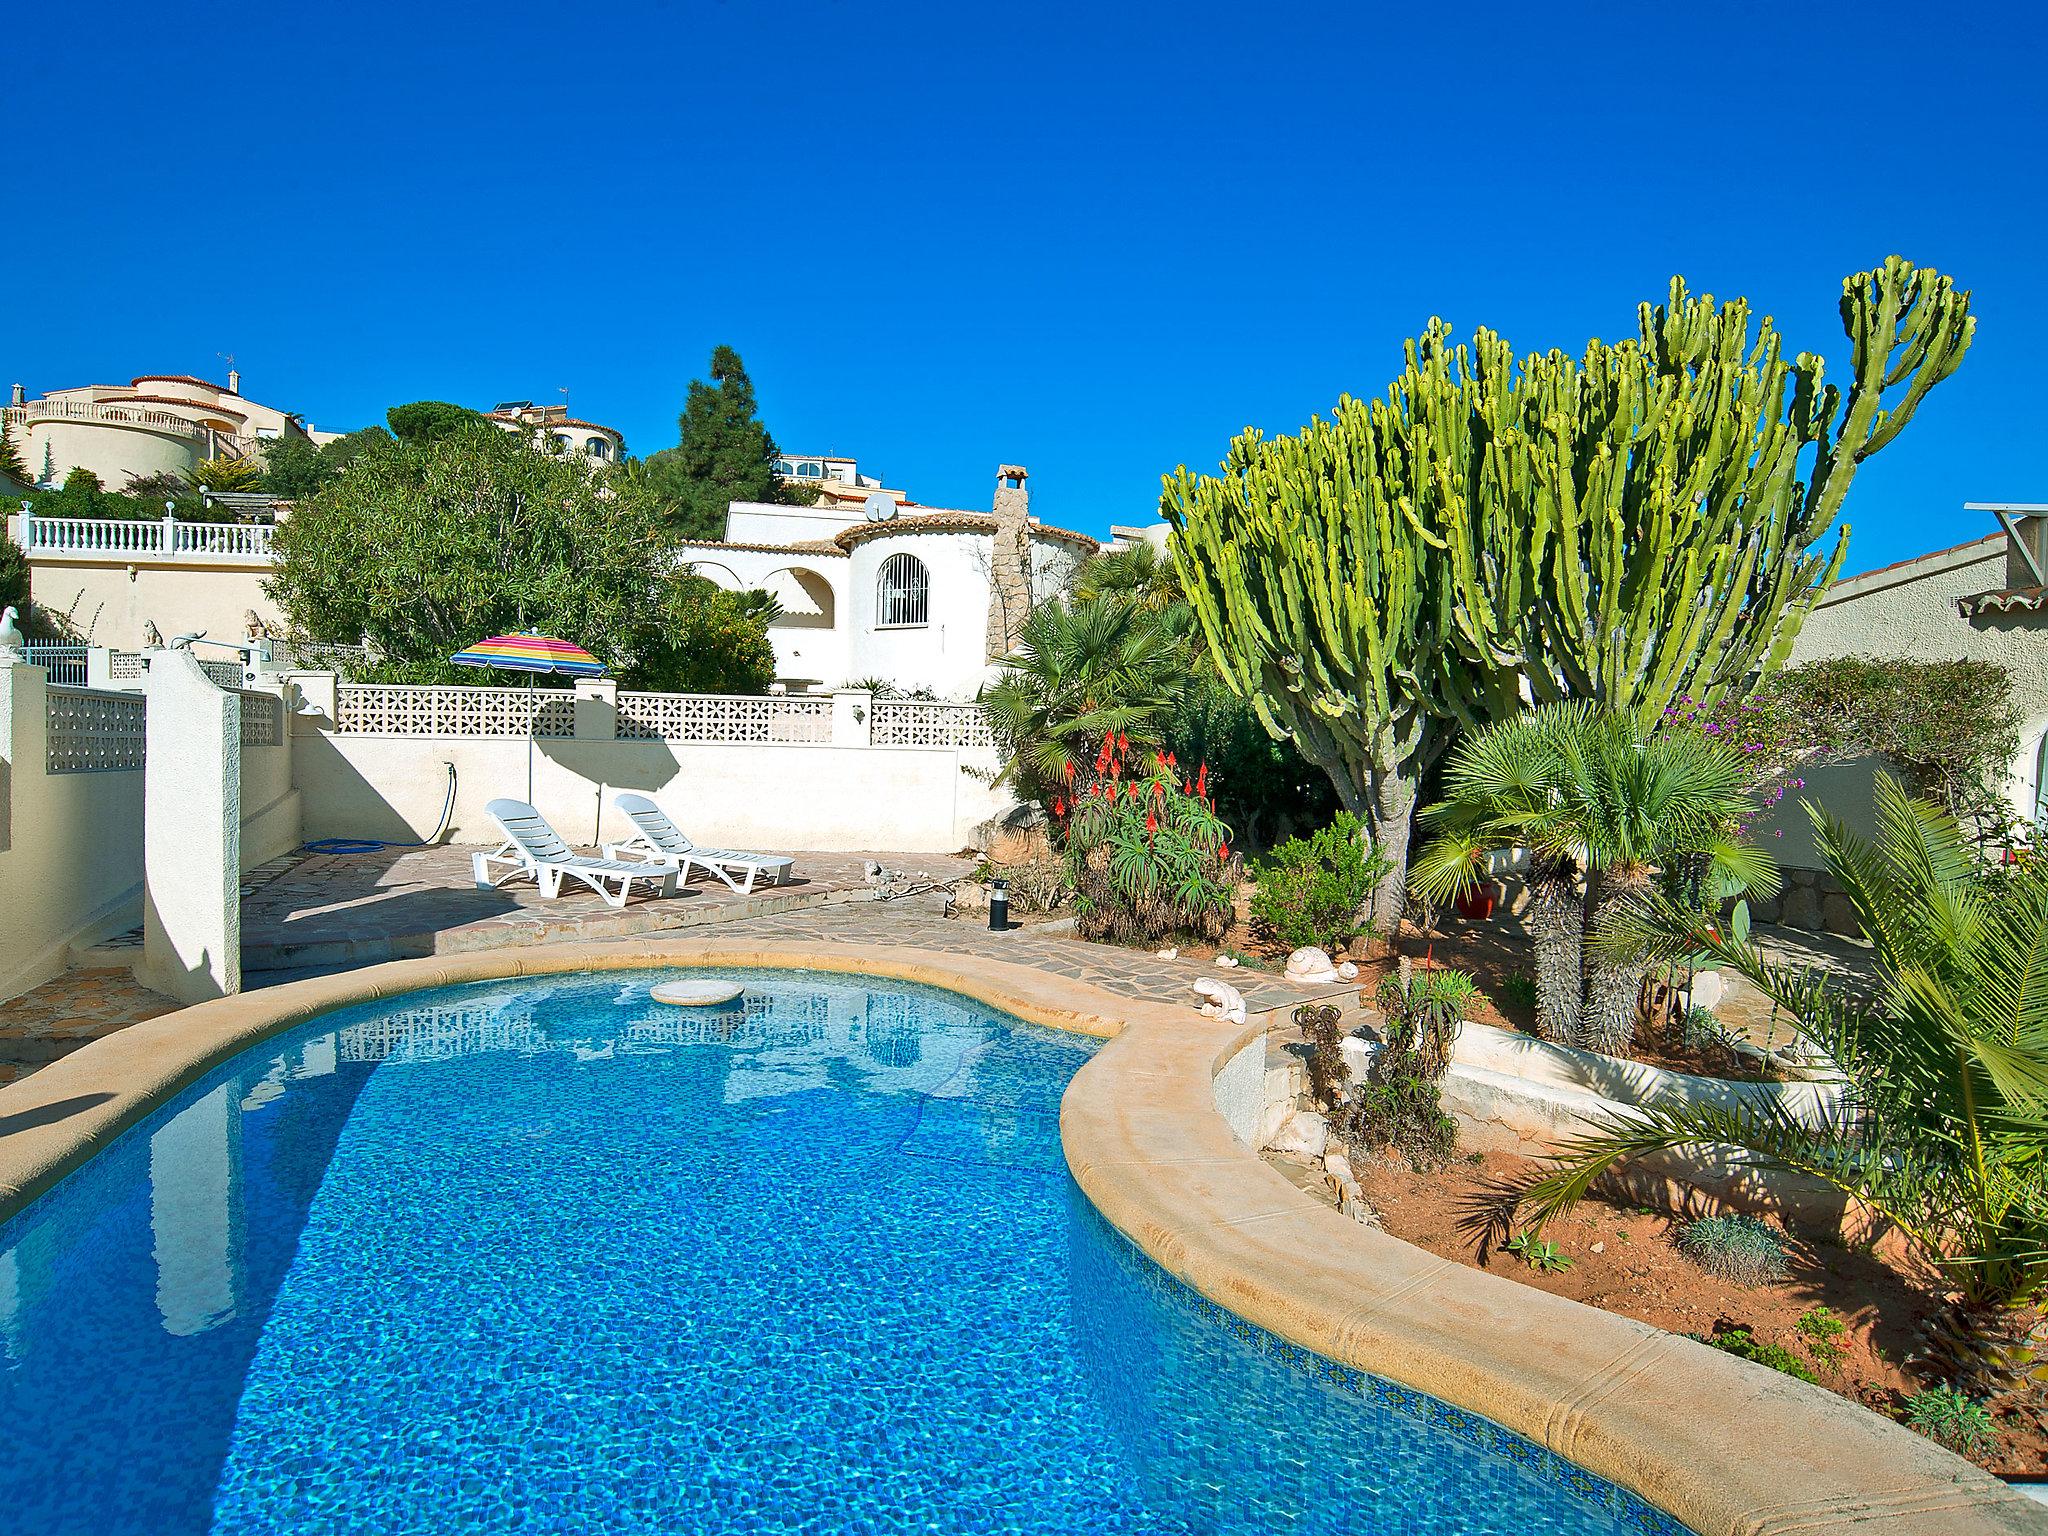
x=156, y=423
x=925, y=597
x=605, y=445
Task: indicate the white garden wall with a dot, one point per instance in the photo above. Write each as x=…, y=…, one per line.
x=829, y=773
x=70, y=840
x=731, y=794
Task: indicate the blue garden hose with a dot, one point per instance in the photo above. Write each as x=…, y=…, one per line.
x=372, y=844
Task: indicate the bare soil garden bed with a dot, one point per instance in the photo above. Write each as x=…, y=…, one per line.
x=1626, y=1260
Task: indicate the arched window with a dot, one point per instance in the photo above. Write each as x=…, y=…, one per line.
x=598, y=448
x=904, y=594
x=809, y=471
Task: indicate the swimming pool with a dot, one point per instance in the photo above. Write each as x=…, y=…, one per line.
x=547, y=1256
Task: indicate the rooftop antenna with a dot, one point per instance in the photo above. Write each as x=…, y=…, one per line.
x=565, y=398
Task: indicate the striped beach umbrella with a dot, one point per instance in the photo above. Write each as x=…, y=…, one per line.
x=530, y=653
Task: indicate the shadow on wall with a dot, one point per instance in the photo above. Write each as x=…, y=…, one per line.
x=392, y=789
x=642, y=767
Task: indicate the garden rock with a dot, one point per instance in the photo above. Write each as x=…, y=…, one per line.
x=1707, y=990
x=1302, y=1134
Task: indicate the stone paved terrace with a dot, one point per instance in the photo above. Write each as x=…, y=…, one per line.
x=328, y=911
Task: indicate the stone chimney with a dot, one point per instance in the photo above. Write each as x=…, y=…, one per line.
x=1009, y=598
x=20, y=396
x=234, y=382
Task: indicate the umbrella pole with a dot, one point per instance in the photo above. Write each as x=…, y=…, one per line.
x=532, y=726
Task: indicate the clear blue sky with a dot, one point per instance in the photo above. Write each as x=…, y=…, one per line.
x=1095, y=240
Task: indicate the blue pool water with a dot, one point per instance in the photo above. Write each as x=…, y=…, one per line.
x=549, y=1257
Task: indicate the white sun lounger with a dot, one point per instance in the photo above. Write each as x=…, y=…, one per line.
x=532, y=847
x=656, y=837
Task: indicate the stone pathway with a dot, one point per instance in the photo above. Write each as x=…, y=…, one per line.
x=1124, y=972
x=58, y=1017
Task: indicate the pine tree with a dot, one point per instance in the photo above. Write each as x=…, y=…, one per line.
x=723, y=454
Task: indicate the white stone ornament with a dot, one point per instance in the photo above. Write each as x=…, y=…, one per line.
x=1309, y=966
x=11, y=637
x=1220, y=1000
x=697, y=992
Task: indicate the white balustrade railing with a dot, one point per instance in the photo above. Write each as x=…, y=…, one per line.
x=17, y=417
x=158, y=538
x=723, y=717
x=91, y=731
x=916, y=723
x=405, y=709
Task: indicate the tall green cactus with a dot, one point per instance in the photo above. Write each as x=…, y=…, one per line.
x=1622, y=527
x=1360, y=580
x=1675, y=544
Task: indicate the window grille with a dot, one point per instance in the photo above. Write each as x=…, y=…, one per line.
x=904, y=594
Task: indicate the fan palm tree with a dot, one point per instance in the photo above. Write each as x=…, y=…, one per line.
x=1081, y=671
x=1631, y=806
x=1138, y=571
x=1581, y=790
x=1943, y=1127
x=1501, y=794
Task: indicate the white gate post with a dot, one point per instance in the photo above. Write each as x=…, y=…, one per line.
x=191, y=833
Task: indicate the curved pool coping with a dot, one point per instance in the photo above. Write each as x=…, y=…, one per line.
x=1728, y=1447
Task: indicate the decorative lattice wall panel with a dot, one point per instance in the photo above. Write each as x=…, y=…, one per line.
x=94, y=732
x=395, y=709
x=903, y=723
x=722, y=717
x=262, y=719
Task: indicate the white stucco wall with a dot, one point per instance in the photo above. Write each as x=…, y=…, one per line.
x=113, y=451
x=737, y=795
x=763, y=522
x=70, y=843
x=108, y=604
x=810, y=638
x=1910, y=611
x=947, y=654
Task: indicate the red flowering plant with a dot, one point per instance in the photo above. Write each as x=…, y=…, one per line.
x=1145, y=850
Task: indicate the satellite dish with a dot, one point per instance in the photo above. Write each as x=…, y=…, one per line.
x=880, y=507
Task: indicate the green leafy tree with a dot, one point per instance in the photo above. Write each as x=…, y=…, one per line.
x=723, y=454
x=1944, y=1117
x=429, y=544
x=12, y=466
x=430, y=420
x=14, y=578
x=1579, y=788
x=295, y=467
x=243, y=474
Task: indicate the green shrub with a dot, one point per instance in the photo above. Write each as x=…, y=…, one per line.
x=1404, y=1118
x=14, y=578
x=1700, y=1030
x=1737, y=1248
x=1821, y=1329
x=1949, y=1418
x=1741, y=1342
x=1311, y=890
x=1519, y=989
